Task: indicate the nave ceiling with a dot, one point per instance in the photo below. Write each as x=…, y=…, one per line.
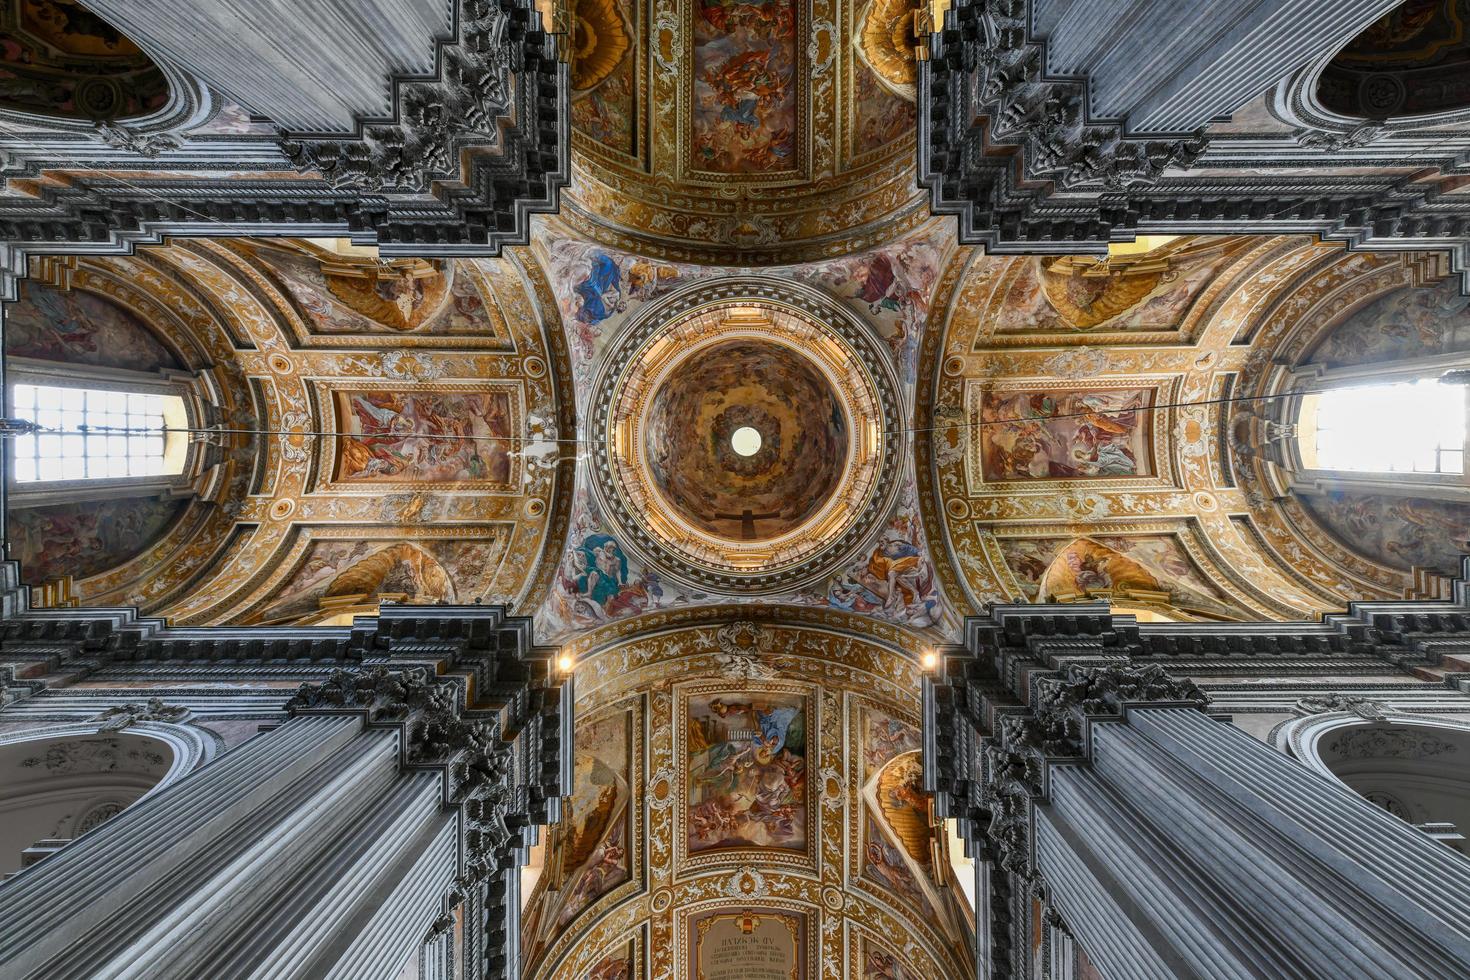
x=728, y=132
x=1056, y=428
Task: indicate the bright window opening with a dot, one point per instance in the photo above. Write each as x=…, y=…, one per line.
x=1416, y=427
x=95, y=434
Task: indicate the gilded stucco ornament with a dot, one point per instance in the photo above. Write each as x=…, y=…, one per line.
x=600, y=39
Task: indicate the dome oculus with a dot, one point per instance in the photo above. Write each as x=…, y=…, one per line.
x=746, y=441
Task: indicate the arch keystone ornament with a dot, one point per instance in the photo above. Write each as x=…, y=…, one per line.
x=692, y=369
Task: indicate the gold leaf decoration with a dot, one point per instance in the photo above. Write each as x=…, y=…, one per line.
x=599, y=42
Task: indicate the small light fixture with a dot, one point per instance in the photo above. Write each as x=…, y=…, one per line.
x=930, y=660
x=565, y=663
x=746, y=441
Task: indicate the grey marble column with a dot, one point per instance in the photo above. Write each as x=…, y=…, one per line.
x=1174, y=845
x=328, y=847
x=1165, y=66
x=316, y=66
x=306, y=852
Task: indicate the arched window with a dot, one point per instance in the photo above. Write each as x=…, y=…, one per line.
x=97, y=433
x=1407, y=427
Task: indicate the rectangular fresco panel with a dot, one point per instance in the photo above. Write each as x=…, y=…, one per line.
x=745, y=87
x=748, y=944
x=746, y=756
x=1066, y=434
x=424, y=437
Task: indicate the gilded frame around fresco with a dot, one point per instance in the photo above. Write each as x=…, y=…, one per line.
x=801, y=81
x=1159, y=423
x=687, y=863
x=329, y=396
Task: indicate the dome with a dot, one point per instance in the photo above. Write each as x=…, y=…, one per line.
x=792, y=374
x=795, y=460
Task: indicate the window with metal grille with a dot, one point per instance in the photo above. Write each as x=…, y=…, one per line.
x=1411, y=427
x=94, y=433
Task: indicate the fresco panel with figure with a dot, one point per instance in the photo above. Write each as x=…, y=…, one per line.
x=746, y=757
x=425, y=436
x=1066, y=434
x=745, y=113
x=79, y=327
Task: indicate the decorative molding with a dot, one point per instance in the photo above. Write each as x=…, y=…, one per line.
x=119, y=717
x=1366, y=708
x=1380, y=742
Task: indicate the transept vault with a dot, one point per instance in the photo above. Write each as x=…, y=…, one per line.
x=777, y=490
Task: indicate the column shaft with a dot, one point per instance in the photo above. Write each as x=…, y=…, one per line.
x=1185, y=848
x=308, y=851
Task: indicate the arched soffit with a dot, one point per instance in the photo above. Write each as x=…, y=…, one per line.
x=395, y=362
x=68, y=69
x=1411, y=62
x=773, y=779
x=603, y=294
x=115, y=322
x=1361, y=318
x=1048, y=438
x=61, y=781
x=784, y=131
x=1412, y=765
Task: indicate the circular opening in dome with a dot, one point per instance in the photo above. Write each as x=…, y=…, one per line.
x=746, y=441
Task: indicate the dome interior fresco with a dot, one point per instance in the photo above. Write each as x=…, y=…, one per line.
x=803, y=433
x=1410, y=62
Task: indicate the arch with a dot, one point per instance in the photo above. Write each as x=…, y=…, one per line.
x=63, y=781
x=1408, y=63
x=82, y=76
x=1413, y=766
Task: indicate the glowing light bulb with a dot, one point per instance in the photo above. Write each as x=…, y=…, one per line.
x=930, y=660
x=565, y=663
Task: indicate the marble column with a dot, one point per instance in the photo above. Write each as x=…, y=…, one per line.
x=1163, y=66
x=1174, y=845
x=328, y=847
x=318, y=66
